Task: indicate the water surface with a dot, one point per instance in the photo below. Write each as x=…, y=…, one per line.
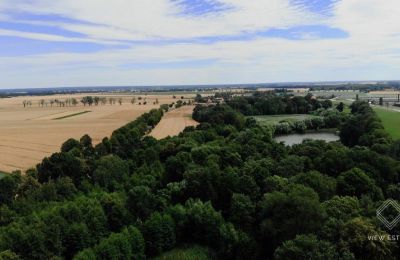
x=299, y=138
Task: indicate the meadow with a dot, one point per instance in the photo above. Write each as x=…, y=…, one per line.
x=390, y=120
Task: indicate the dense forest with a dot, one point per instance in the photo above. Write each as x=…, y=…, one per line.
x=225, y=185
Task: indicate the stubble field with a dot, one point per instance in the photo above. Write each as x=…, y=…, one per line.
x=174, y=122
x=29, y=134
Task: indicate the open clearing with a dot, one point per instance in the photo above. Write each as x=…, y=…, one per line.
x=173, y=122
x=390, y=120
x=275, y=119
x=27, y=135
x=187, y=253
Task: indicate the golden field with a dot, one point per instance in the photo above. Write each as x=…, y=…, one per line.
x=174, y=122
x=29, y=134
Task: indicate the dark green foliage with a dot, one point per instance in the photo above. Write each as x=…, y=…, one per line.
x=225, y=185
x=324, y=185
x=342, y=208
x=9, y=255
x=115, y=209
x=305, y=247
x=203, y=222
x=356, y=183
x=60, y=165
x=73, y=226
x=218, y=115
x=363, y=127
x=270, y=104
x=128, y=244
x=242, y=211
x=87, y=254
x=159, y=233
x=9, y=186
x=70, y=144
x=111, y=172
x=340, y=107
x=283, y=213
x=354, y=233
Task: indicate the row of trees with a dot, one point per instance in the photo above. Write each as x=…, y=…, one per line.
x=323, y=119
x=225, y=184
x=273, y=104
x=87, y=100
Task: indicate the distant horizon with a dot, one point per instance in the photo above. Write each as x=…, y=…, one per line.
x=227, y=85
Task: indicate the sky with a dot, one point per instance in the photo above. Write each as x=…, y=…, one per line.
x=48, y=43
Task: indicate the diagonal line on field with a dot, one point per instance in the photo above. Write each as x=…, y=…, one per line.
x=24, y=148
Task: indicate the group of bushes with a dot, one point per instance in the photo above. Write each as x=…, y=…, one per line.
x=323, y=118
x=364, y=128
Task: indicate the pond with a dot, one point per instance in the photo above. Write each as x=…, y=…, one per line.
x=299, y=138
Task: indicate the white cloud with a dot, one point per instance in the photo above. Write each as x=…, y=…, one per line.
x=51, y=37
x=370, y=52
x=160, y=18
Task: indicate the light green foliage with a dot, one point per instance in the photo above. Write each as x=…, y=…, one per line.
x=305, y=247
x=390, y=120
x=275, y=119
x=187, y=253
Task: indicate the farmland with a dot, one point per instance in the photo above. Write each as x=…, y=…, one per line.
x=174, y=122
x=28, y=134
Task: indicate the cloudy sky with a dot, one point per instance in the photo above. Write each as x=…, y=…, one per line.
x=52, y=43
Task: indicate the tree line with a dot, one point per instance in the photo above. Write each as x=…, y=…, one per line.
x=267, y=103
x=225, y=184
x=87, y=100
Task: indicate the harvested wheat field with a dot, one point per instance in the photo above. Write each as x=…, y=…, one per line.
x=28, y=134
x=173, y=122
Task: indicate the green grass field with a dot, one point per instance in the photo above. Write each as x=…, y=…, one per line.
x=189, y=253
x=390, y=120
x=76, y=114
x=275, y=119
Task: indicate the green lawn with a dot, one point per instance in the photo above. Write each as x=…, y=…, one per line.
x=390, y=120
x=275, y=119
x=189, y=253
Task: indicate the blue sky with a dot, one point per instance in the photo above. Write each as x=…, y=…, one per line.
x=45, y=43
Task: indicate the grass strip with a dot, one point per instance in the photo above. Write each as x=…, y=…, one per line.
x=67, y=116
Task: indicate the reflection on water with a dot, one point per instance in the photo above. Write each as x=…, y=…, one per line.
x=298, y=138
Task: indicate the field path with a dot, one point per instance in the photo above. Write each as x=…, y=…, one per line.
x=174, y=122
